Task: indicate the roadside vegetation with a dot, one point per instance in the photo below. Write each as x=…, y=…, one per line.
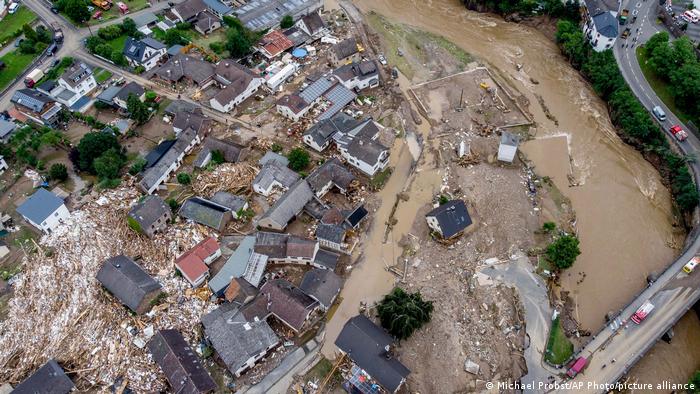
x=559, y=347
x=563, y=251
x=403, y=313
x=109, y=41
x=15, y=64
x=695, y=382
x=554, y=8
x=627, y=113
x=12, y=24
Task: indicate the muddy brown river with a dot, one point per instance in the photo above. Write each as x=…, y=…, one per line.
x=624, y=214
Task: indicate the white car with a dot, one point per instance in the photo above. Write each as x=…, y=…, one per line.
x=13, y=8
x=382, y=59
x=91, y=8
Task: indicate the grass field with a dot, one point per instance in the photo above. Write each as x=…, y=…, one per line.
x=13, y=22
x=15, y=64
x=559, y=348
x=118, y=43
x=661, y=88
x=102, y=75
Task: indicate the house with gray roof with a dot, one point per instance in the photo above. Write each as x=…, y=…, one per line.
x=230, y=201
x=186, y=68
x=36, y=106
x=132, y=88
x=177, y=106
x=150, y=215
x=218, y=8
x=182, y=367
x=6, y=129
x=326, y=259
x=322, y=285
x=107, y=95
x=361, y=149
x=370, y=348
x=449, y=220
x=144, y=19
x=146, y=52
x=312, y=25
x=50, y=378
x=271, y=157
x=287, y=207
x=194, y=119
x=286, y=248
x=332, y=173
x=325, y=89
x=205, y=212
x=260, y=15
x=231, y=151
x=129, y=283
x=237, y=82
x=344, y=52
x=236, y=266
x=272, y=176
x=75, y=82
x=320, y=135
x=358, y=75
x=238, y=342
x=167, y=160
x=508, y=147
x=289, y=304
x=601, y=26
x=44, y=210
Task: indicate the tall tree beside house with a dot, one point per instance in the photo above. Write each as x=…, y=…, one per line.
x=137, y=109
x=107, y=166
x=287, y=22
x=58, y=171
x=402, y=313
x=298, y=159
x=173, y=37
x=237, y=44
x=130, y=29
x=76, y=10
x=92, y=146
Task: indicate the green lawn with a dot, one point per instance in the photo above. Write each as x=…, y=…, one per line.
x=15, y=64
x=559, y=348
x=13, y=22
x=661, y=88
x=217, y=36
x=118, y=43
x=102, y=75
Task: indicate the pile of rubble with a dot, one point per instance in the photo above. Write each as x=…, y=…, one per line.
x=60, y=310
x=228, y=177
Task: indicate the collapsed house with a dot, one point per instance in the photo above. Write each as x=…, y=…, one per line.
x=50, y=378
x=194, y=264
x=166, y=158
x=129, y=283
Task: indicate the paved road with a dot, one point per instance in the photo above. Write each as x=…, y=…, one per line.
x=674, y=292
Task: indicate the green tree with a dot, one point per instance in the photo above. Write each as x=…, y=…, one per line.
x=58, y=171
x=686, y=87
x=563, y=251
x=174, y=37
x=52, y=138
x=184, y=178
x=107, y=166
x=92, y=146
x=683, y=52
x=129, y=28
x=29, y=33
x=76, y=10
x=138, y=110
x=110, y=32
x=237, y=43
x=298, y=159
x=548, y=227
x=402, y=313
x=138, y=166
x=287, y=22
x=217, y=157
x=173, y=204
x=695, y=382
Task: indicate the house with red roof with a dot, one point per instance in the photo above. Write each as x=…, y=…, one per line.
x=274, y=43
x=194, y=264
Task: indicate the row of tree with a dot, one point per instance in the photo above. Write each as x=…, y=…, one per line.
x=676, y=63
x=626, y=112
x=35, y=41
x=100, y=154
x=99, y=43
x=554, y=8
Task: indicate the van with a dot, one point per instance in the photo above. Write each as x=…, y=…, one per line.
x=659, y=113
x=13, y=8
x=52, y=49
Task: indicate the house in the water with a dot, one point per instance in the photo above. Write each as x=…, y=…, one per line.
x=320, y=135
x=601, y=26
x=289, y=304
x=180, y=364
x=36, y=106
x=287, y=207
x=129, y=283
x=449, y=220
x=44, y=210
x=508, y=147
x=50, y=378
x=166, y=158
x=145, y=52
x=237, y=83
x=361, y=148
x=238, y=342
x=359, y=75
x=344, y=52
x=150, y=215
x=194, y=264
x=206, y=212
x=371, y=350
x=322, y=285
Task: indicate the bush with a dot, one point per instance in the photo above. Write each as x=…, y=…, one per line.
x=298, y=159
x=138, y=166
x=92, y=146
x=277, y=148
x=139, y=70
x=217, y=47
x=58, y=172
x=444, y=199
x=133, y=224
x=548, y=227
x=110, y=32
x=173, y=204
x=184, y=178
x=287, y=22
x=107, y=166
x=695, y=383
x=217, y=157
x=403, y=313
x=563, y=251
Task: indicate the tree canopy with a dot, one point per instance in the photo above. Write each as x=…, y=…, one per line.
x=92, y=146
x=137, y=109
x=402, y=313
x=298, y=159
x=563, y=251
x=76, y=10
x=287, y=22
x=107, y=166
x=58, y=171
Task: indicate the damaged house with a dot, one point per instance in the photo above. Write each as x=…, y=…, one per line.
x=206, y=213
x=166, y=158
x=287, y=207
x=186, y=68
x=289, y=304
x=194, y=264
x=360, y=148
x=129, y=283
x=320, y=135
x=231, y=151
x=150, y=215
x=237, y=84
x=180, y=364
x=449, y=220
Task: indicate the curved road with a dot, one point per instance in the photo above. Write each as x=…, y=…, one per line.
x=674, y=292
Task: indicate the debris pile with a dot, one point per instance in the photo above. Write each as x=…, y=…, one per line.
x=228, y=177
x=60, y=310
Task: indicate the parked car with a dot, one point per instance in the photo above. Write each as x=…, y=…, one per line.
x=382, y=59
x=13, y=8
x=626, y=33
x=678, y=132
x=54, y=10
x=55, y=63
x=659, y=113
x=97, y=15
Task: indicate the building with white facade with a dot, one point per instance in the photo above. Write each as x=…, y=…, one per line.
x=601, y=26
x=44, y=210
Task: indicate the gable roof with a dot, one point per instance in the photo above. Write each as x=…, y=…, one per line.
x=235, y=339
x=287, y=302
x=235, y=265
x=366, y=344
x=274, y=43
x=6, y=127
x=129, y=89
x=194, y=119
x=362, y=70
x=272, y=173
x=218, y=7
x=452, y=217
x=331, y=171
x=272, y=157
x=76, y=73
x=322, y=285
x=183, y=66
x=181, y=366
x=128, y=282
x=32, y=99
x=206, y=21
x=163, y=162
x=229, y=201
x=345, y=48
x=313, y=22
x=40, y=205
x=326, y=259
x=149, y=210
x=290, y=204
x=191, y=263
x=606, y=24
x=180, y=106
x=145, y=18
x=50, y=378
x=136, y=49
x=204, y=212
x=190, y=8
x=326, y=128
x=232, y=151
x=339, y=96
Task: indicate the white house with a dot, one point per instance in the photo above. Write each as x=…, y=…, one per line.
x=76, y=81
x=44, y=210
x=601, y=27
x=238, y=84
x=3, y=165
x=450, y=219
x=508, y=147
x=358, y=76
x=166, y=162
x=293, y=107
x=277, y=73
x=361, y=149
x=145, y=52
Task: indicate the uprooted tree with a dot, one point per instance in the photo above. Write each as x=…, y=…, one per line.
x=402, y=313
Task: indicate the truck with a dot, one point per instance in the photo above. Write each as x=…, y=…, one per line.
x=690, y=17
x=689, y=267
x=104, y=4
x=642, y=312
x=577, y=367
x=57, y=33
x=33, y=77
x=678, y=132
x=624, y=15
x=626, y=33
